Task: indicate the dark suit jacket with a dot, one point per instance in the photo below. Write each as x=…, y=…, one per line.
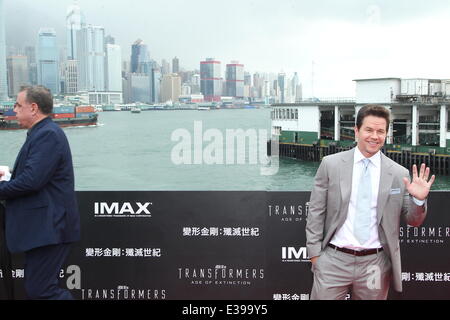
x=41, y=207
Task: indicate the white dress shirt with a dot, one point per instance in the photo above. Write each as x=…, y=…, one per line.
x=344, y=237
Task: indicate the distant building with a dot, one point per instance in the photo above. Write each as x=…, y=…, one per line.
x=105, y=98
x=165, y=67
x=175, y=65
x=114, y=67
x=70, y=71
x=74, y=22
x=156, y=85
x=282, y=87
x=17, y=74
x=140, y=58
x=47, y=60
x=110, y=40
x=210, y=79
x=30, y=52
x=91, y=58
x=235, y=80
x=138, y=88
x=170, y=87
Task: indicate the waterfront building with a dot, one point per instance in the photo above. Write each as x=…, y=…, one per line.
x=235, y=80
x=419, y=124
x=138, y=88
x=210, y=79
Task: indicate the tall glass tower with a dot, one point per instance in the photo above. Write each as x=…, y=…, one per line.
x=74, y=21
x=91, y=58
x=140, y=58
x=210, y=79
x=235, y=80
x=48, y=74
x=3, y=83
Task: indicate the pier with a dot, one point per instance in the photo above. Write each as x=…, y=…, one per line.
x=439, y=164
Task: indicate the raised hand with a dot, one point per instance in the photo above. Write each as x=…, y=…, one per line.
x=419, y=187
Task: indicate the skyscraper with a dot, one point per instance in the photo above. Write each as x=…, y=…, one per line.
x=235, y=80
x=3, y=81
x=140, y=58
x=210, y=79
x=175, y=65
x=17, y=74
x=47, y=64
x=91, y=58
x=74, y=22
x=114, y=67
x=141, y=70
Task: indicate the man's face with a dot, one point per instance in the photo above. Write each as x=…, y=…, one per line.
x=25, y=111
x=371, y=136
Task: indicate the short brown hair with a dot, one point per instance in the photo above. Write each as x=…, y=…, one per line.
x=41, y=96
x=373, y=110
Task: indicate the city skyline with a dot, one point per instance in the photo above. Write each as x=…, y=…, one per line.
x=336, y=42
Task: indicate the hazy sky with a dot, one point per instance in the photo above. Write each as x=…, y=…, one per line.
x=346, y=39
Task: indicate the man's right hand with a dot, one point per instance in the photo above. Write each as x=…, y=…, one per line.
x=314, y=259
x=1, y=174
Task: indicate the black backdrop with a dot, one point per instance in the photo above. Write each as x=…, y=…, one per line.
x=222, y=245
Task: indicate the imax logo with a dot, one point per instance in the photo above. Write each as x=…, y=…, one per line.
x=126, y=209
x=292, y=254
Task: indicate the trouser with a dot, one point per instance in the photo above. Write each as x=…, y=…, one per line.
x=338, y=273
x=42, y=269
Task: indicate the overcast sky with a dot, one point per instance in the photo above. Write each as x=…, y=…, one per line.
x=346, y=39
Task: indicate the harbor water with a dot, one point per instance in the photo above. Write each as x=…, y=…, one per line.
x=131, y=152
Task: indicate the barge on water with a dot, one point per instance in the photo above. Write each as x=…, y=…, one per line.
x=64, y=116
x=418, y=132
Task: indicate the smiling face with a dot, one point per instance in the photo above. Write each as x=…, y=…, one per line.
x=372, y=135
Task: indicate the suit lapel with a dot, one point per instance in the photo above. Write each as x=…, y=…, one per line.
x=385, y=185
x=345, y=181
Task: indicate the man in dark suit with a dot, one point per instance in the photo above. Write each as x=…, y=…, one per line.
x=352, y=228
x=42, y=216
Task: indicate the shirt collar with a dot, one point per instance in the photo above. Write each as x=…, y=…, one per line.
x=375, y=159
